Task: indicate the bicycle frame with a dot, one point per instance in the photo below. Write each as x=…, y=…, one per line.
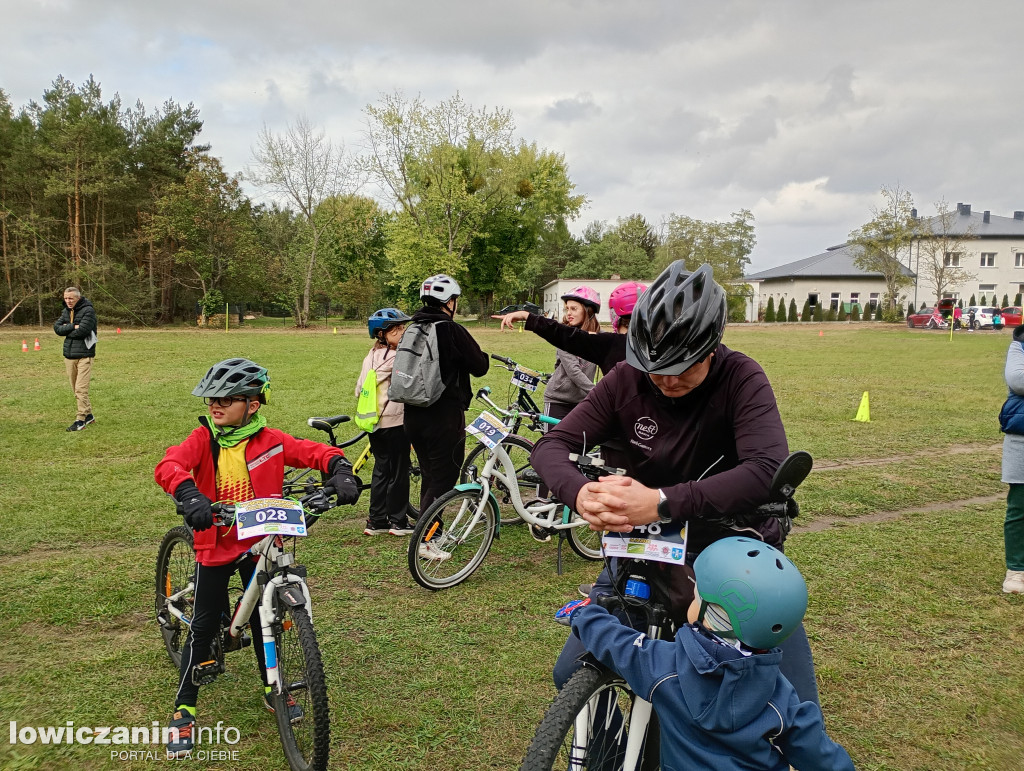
x=272, y=552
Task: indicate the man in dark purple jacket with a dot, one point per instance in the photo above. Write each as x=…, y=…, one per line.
x=699, y=430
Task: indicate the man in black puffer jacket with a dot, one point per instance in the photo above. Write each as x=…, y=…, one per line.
x=77, y=325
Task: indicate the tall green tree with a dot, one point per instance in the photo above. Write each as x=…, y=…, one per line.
x=885, y=241
x=725, y=246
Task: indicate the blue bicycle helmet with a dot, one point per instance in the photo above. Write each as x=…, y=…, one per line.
x=757, y=585
x=384, y=319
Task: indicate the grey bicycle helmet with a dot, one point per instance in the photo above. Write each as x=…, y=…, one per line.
x=757, y=586
x=235, y=377
x=440, y=287
x=677, y=322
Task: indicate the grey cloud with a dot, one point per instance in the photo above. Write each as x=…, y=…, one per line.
x=572, y=109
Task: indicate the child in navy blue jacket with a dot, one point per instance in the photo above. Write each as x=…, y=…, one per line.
x=720, y=699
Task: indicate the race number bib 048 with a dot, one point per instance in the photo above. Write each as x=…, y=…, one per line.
x=269, y=516
x=526, y=379
x=655, y=542
x=488, y=429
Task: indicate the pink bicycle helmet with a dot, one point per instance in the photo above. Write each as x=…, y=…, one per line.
x=623, y=299
x=584, y=295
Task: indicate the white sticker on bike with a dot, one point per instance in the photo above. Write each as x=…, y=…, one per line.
x=269, y=516
x=488, y=429
x=527, y=379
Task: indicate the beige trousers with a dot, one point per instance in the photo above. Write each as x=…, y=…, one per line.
x=79, y=373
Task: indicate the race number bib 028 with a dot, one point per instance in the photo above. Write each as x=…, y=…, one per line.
x=526, y=379
x=488, y=429
x=269, y=516
x=655, y=542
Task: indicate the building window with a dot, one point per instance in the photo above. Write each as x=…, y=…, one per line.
x=854, y=298
x=812, y=301
x=986, y=287
x=951, y=260
x=1018, y=260
x=988, y=259
x=873, y=301
x=834, y=302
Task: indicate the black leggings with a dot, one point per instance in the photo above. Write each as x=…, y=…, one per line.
x=211, y=598
x=438, y=435
x=389, y=486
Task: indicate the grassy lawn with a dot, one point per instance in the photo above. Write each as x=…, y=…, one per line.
x=917, y=651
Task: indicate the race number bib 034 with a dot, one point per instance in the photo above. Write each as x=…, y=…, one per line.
x=269, y=516
x=526, y=379
x=655, y=542
x=488, y=429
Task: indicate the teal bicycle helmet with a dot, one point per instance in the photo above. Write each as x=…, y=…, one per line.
x=757, y=585
x=235, y=377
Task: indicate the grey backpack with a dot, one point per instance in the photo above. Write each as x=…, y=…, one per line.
x=416, y=373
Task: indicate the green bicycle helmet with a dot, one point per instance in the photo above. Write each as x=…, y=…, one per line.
x=235, y=377
x=757, y=585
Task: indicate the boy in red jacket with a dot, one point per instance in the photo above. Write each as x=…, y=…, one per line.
x=233, y=457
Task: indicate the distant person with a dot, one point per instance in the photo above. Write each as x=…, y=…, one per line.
x=77, y=325
x=605, y=349
x=721, y=701
x=438, y=431
x=1013, y=473
x=389, y=486
x=573, y=376
x=958, y=314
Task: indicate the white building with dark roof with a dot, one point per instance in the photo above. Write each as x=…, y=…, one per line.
x=994, y=256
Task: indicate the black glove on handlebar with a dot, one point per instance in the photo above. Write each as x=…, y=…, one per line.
x=343, y=481
x=195, y=507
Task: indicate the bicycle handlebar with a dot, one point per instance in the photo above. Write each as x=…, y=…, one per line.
x=315, y=503
x=512, y=366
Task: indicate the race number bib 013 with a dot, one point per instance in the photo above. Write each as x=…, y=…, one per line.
x=655, y=542
x=526, y=379
x=269, y=516
x=488, y=429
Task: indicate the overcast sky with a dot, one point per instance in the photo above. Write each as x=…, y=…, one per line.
x=799, y=111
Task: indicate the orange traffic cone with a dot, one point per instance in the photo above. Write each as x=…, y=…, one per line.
x=821, y=333
x=37, y=346
x=24, y=346
x=119, y=330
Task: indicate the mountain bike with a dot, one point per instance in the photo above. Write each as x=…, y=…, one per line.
x=454, y=535
x=596, y=721
x=303, y=481
x=294, y=665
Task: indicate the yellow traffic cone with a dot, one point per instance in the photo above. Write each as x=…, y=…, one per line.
x=335, y=330
x=863, y=412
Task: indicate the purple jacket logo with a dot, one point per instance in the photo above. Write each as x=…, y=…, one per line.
x=645, y=428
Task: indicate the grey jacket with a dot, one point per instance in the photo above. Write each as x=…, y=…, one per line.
x=1013, y=444
x=571, y=381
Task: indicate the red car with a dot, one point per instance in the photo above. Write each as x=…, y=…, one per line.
x=928, y=317
x=1012, y=316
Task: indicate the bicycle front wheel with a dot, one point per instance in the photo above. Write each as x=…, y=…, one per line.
x=175, y=569
x=518, y=449
x=585, y=542
x=587, y=726
x=305, y=726
x=450, y=541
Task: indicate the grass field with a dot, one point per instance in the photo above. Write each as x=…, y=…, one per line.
x=918, y=653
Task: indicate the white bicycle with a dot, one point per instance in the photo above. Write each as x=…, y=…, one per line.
x=454, y=534
x=294, y=665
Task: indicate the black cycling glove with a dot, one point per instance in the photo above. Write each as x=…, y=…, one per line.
x=343, y=481
x=195, y=507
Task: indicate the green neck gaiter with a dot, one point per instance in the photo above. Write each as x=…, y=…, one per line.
x=229, y=436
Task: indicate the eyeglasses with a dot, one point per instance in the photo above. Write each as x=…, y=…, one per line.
x=222, y=401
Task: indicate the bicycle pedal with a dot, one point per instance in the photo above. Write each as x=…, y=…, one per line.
x=206, y=673
x=230, y=643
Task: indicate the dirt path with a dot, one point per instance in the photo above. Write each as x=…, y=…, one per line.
x=827, y=523
x=955, y=449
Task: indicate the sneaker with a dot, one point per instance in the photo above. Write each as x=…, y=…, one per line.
x=375, y=530
x=78, y=425
x=401, y=530
x=1014, y=582
x=295, y=712
x=89, y=419
x=184, y=742
x=585, y=589
x=428, y=551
